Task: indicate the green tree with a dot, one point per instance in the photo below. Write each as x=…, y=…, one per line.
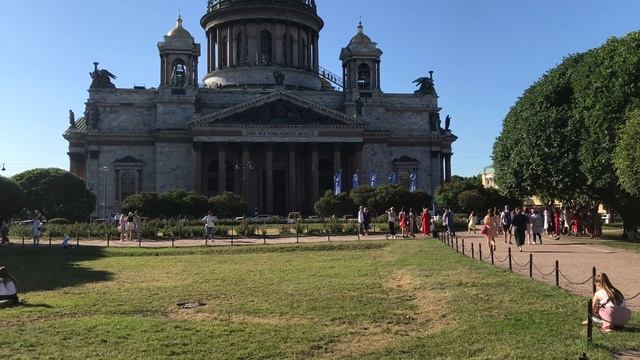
x=446, y=195
x=334, y=205
x=470, y=200
x=145, y=203
x=559, y=138
x=362, y=195
x=386, y=196
x=12, y=197
x=58, y=193
x=626, y=156
x=227, y=205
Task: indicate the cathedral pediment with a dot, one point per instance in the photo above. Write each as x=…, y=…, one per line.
x=279, y=109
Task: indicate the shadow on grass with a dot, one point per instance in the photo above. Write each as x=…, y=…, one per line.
x=43, y=269
x=26, y=304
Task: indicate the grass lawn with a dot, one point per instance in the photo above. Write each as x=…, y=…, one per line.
x=366, y=300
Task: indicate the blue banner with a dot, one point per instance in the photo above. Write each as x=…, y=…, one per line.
x=337, y=182
x=355, y=182
x=413, y=181
x=373, y=179
x=393, y=178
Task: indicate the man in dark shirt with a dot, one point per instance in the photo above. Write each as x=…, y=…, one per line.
x=519, y=227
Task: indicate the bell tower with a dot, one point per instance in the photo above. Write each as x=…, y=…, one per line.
x=179, y=58
x=361, y=64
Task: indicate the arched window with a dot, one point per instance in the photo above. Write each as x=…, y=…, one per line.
x=179, y=73
x=128, y=184
x=224, y=58
x=266, y=53
x=239, y=49
x=364, y=76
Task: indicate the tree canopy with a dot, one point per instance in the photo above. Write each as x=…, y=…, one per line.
x=57, y=193
x=12, y=197
x=558, y=140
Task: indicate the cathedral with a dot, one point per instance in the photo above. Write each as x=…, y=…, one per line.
x=266, y=121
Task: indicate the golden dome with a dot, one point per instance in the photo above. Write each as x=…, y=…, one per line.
x=179, y=31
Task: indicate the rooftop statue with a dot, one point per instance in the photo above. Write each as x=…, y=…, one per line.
x=426, y=86
x=101, y=78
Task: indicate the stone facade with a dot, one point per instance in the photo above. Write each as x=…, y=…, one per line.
x=275, y=132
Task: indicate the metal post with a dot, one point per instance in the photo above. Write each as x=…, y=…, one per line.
x=172, y=241
x=77, y=240
x=108, y=240
x=480, y=251
x=231, y=236
x=463, y=247
x=492, y=259
x=22, y=240
x=589, y=321
x=510, y=266
x=49, y=239
x=358, y=235
x=264, y=236
x=297, y=236
x=457, y=245
x=557, y=273
x=473, y=252
x=593, y=279
x=531, y=265
x=139, y=242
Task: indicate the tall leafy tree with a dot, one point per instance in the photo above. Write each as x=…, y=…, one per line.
x=627, y=154
x=11, y=198
x=559, y=138
x=58, y=193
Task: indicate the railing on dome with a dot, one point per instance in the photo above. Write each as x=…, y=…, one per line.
x=331, y=77
x=217, y=4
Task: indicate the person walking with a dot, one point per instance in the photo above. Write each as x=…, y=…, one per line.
x=4, y=231
x=366, y=220
x=122, y=226
x=425, y=222
x=451, y=223
x=608, y=305
x=38, y=222
x=209, y=224
x=413, y=226
x=403, y=222
x=537, y=225
x=519, y=226
x=556, y=224
x=489, y=230
x=361, y=220
x=471, y=226
x=391, y=213
x=505, y=220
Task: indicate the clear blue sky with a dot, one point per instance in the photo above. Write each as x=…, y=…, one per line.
x=484, y=54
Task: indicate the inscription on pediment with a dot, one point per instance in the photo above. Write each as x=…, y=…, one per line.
x=280, y=112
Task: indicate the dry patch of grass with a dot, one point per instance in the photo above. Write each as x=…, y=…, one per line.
x=431, y=311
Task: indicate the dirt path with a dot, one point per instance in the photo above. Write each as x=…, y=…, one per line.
x=576, y=260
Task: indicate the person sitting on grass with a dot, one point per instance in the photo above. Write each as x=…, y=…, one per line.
x=608, y=305
x=8, y=293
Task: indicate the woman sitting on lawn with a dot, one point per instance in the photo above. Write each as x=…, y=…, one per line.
x=8, y=293
x=609, y=308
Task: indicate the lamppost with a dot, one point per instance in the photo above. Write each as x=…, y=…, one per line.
x=245, y=167
x=104, y=200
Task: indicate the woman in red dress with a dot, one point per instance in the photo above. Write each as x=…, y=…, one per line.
x=425, y=220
